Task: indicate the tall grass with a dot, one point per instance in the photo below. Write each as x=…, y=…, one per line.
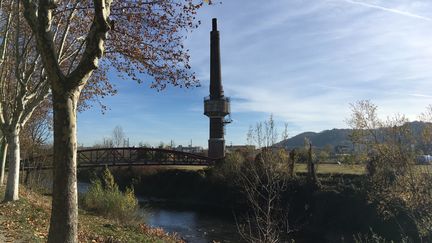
x=105, y=198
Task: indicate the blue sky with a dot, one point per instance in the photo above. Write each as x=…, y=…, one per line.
x=304, y=61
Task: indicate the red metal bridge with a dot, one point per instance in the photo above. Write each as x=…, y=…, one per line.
x=127, y=156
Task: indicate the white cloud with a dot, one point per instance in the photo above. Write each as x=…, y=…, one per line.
x=391, y=10
x=305, y=61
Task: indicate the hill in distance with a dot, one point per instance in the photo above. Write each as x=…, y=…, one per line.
x=333, y=137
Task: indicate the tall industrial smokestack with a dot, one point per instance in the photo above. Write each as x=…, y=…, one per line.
x=216, y=106
x=216, y=90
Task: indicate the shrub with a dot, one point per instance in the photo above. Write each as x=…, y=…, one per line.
x=401, y=189
x=227, y=169
x=105, y=198
x=263, y=179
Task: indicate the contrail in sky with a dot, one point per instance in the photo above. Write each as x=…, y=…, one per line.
x=391, y=10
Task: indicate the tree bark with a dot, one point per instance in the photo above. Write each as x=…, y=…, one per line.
x=65, y=92
x=11, y=193
x=3, y=154
x=64, y=214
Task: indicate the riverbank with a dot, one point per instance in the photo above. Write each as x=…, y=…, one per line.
x=27, y=220
x=336, y=212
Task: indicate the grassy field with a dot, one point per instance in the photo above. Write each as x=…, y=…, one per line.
x=335, y=169
x=178, y=167
x=322, y=168
x=356, y=169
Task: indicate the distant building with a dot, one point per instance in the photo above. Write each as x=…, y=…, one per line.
x=342, y=149
x=190, y=149
x=424, y=159
x=237, y=148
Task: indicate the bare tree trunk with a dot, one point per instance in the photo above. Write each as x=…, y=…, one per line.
x=291, y=162
x=312, y=173
x=11, y=193
x=65, y=91
x=3, y=154
x=64, y=214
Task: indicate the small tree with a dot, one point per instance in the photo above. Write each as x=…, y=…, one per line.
x=426, y=135
x=23, y=85
x=118, y=136
x=263, y=180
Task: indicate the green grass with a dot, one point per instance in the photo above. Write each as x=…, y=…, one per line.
x=334, y=169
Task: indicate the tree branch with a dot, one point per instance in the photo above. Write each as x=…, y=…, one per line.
x=39, y=18
x=94, y=44
x=66, y=30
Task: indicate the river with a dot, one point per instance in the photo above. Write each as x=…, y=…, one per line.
x=193, y=224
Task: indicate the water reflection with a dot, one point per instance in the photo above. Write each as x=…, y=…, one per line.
x=194, y=226
x=83, y=187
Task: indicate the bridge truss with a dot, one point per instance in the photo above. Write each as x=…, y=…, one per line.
x=125, y=156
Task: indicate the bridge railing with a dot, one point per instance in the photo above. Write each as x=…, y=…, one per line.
x=132, y=155
x=124, y=156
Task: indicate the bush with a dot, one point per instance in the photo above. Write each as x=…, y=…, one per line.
x=400, y=188
x=105, y=198
x=372, y=237
x=227, y=169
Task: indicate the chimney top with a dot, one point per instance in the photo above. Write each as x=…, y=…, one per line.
x=214, y=24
